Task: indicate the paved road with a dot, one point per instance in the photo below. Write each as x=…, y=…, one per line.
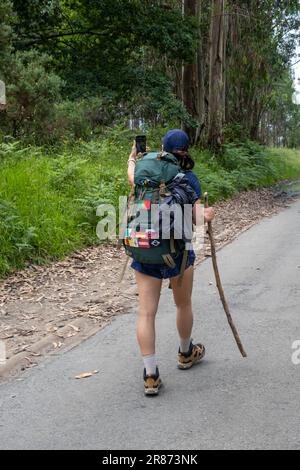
x=225, y=403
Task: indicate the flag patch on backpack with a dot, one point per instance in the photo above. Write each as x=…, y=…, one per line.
x=132, y=242
x=143, y=243
x=145, y=205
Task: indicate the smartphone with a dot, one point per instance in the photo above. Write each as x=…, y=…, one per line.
x=141, y=143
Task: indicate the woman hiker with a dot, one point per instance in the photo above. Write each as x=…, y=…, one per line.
x=149, y=279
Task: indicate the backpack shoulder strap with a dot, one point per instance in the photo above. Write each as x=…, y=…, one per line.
x=168, y=157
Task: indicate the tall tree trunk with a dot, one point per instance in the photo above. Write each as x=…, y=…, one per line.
x=2, y=96
x=190, y=78
x=201, y=75
x=225, y=38
x=216, y=74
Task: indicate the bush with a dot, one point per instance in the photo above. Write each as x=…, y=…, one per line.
x=82, y=119
x=234, y=132
x=31, y=94
x=154, y=99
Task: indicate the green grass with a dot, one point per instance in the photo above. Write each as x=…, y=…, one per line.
x=48, y=201
x=48, y=197
x=244, y=166
x=287, y=161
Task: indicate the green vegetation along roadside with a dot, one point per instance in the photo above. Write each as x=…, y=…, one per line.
x=48, y=197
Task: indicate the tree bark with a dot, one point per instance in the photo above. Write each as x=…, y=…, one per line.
x=191, y=87
x=226, y=31
x=2, y=96
x=201, y=75
x=217, y=54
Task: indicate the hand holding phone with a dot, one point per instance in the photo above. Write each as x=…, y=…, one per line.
x=141, y=144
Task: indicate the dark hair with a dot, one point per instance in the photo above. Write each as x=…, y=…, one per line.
x=186, y=163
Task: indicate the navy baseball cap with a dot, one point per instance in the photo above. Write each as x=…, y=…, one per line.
x=176, y=139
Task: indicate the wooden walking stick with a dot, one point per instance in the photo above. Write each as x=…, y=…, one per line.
x=219, y=284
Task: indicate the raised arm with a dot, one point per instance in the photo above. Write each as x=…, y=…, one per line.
x=131, y=164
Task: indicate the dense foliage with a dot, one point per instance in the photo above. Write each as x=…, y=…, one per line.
x=74, y=67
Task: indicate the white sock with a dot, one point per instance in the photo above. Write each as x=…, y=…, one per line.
x=185, y=345
x=150, y=364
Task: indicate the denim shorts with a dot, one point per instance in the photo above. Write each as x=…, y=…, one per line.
x=162, y=271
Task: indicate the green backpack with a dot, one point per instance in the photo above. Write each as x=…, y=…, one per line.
x=153, y=172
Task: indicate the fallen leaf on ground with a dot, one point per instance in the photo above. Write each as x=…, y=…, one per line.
x=86, y=375
x=30, y=361
x=75, y=328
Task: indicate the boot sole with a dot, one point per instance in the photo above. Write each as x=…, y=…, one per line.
x=150, y=392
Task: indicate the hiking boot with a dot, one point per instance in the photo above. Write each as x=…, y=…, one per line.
x=195, y=354
x=152, y=383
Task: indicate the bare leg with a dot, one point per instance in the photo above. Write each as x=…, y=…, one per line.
x=183, y=300
x=149, y=289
